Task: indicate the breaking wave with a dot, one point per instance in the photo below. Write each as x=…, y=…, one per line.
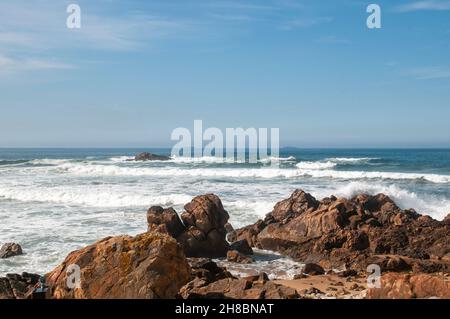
x=91, y=197
x=351, y=160
x=113, y=170
x=431, y=205
x=316, y=165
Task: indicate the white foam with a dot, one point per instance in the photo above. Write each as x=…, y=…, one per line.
x=214, y=159
x=316, y=165
x=433, y=178
x=112, y=170
x=93, y=197
x=273, y=264
x=120, y=159
x=277, y=159
x=430, y=205
x=350, y=160
x=206, y=159
x=49, y=161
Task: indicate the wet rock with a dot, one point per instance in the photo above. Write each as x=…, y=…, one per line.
x=237, y=257
x=150, y=266
x=10, y=250
x=242, y=246
x=145, y=156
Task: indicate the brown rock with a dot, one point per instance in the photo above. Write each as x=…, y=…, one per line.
x=151, y=265
x=164, y=220
x=348, y=273
x=10, y=250
x=298, y=203
x=207, y=270
x=150, y=157
x=404, y=286
x=339, y=231
x=232, y=288
x=312, y=269
x=242, y=246
x=203, y=230
x=15, y=286
x=237, y=257
x=389, y=263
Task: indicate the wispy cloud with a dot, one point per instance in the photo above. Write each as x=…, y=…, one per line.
x=435, y=5
x=304, y=23
x=30, y=38
x=430, y=73
x=233, y=17
x=332, y=39
x=13, y=65
x=241, y=5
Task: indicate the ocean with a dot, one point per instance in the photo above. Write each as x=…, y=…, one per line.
x=54, y=201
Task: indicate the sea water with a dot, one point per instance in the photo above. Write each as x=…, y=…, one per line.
x=54, y=201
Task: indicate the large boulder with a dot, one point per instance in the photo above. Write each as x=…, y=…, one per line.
x=336, y=232
x=201, y=232
x=10, y=250
x=405, y=286
x=148, y=266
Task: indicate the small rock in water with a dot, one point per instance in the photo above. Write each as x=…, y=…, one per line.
x=242, y=246
x=237, y=257
x=150, y=157
x=10, y=250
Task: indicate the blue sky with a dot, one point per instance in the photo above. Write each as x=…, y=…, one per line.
x=138, y=69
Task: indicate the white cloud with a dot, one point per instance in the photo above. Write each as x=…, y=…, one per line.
x=31, y=37
x=430, y=73
x=332, y=39
x=424, y=5
x=13, y=65
x=305, y=22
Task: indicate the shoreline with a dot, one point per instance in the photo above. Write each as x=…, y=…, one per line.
x=334, y=233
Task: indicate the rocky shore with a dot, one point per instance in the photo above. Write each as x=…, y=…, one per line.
x=336, y=239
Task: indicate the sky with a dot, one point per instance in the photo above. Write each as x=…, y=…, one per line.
x=136, y=70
